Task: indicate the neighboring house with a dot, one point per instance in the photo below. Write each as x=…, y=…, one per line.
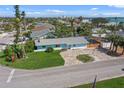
x=99, y=32
x=99, y=35
x=41, y=31
x=95, y=30
x=61, y=43
x=121, y=33
x=6, y=39
x=105, y=44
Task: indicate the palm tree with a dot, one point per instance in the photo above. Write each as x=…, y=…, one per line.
x=112, y=29
x=72, y=26
x=111, y=39
x=85, y=29
x=99, y=22
x=116, y=42
x=121, y=44
x=116, y=21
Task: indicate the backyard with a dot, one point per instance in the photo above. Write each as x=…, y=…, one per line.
x=36, y=60
x=111, y=83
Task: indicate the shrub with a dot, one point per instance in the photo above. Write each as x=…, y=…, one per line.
x=62, y=50
x=49, y=49
x=85, y=58
x=29, y=46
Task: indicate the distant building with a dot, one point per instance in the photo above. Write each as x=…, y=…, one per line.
x=111, y=23
x=95, y=32
x=61, y=43
x=86, y=21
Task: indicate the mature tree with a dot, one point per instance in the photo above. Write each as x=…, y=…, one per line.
x=121, y=25
x=55, y=23
x=19, y=18
x=72, y=26
x=111, y=39
x=80, y=18
x=29, y=46
x=17, y=23
x=85, y=29
x=8, y=27
x=24, y=20
x=112, y=28
x=100, y=32
x=121, y=44
x=12, y=52
x=116, y=41
x=99, y=22
x=62, y=31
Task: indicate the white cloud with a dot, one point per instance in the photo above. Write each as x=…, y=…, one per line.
x=117, y=6
x=111, y=14
x=96, y=14
x=55, y=11
x=37, y=12
x=94, y=9
x=33, y=12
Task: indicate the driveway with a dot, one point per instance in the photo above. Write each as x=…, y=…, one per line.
x=70, y=55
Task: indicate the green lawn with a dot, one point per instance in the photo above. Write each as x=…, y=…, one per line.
x=36, y=60
x=85, y=58
x=111, y=83
x=1, y=54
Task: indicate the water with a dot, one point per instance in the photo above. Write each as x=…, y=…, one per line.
x=119, y=19
x=112, y=19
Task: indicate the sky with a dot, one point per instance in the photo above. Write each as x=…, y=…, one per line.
x=65, y=10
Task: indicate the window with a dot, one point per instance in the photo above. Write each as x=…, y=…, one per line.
x=57, y=45
x=74, y=45
x=43, y=46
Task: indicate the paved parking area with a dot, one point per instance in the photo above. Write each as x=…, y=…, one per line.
x=70, y=55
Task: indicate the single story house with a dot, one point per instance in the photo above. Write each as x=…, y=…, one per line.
x=6, y=39
x=61, y=43
x=41, y=31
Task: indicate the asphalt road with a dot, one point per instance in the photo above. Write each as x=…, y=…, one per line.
x=67, y=76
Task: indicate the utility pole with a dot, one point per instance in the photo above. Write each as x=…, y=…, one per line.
x=94, y=82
